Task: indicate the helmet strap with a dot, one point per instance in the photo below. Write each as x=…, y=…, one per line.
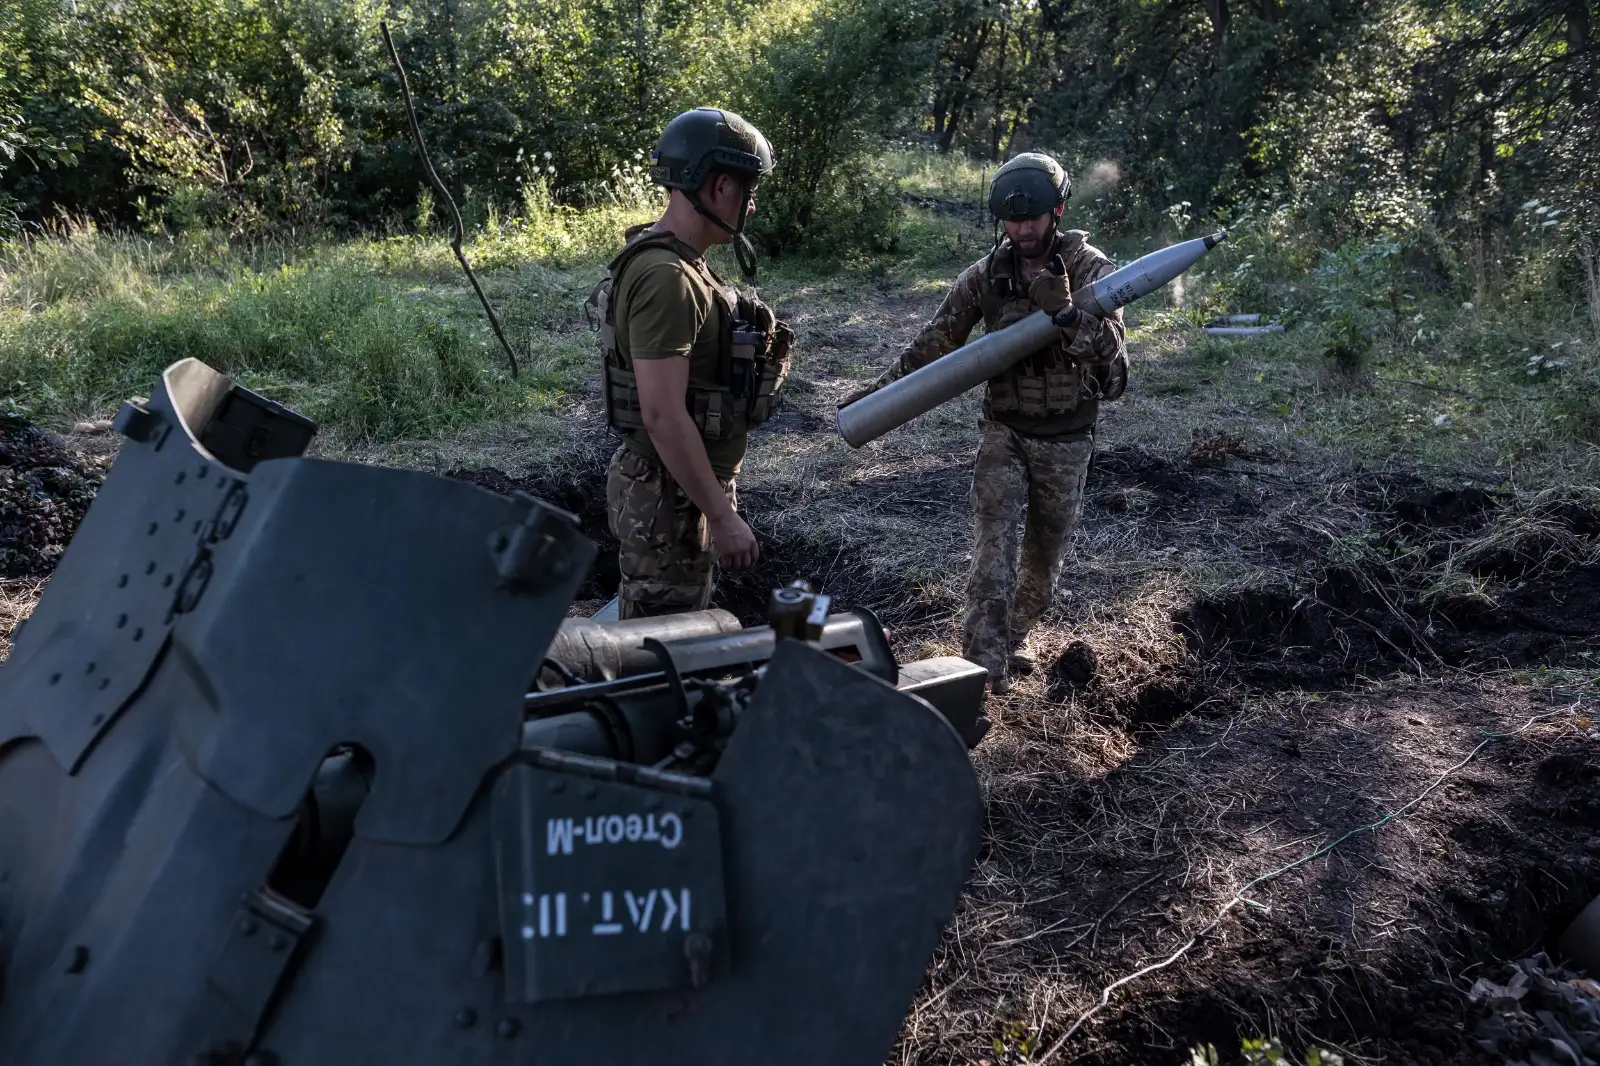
x=743, y=250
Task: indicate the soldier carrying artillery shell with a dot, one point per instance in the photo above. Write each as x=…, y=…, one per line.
x=1037, y=432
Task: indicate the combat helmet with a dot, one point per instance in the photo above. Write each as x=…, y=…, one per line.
x=699, y=143
x=1028, y=186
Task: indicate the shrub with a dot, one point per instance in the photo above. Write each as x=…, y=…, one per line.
x=825, y=81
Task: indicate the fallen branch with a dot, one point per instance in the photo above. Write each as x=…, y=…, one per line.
x=455, y=213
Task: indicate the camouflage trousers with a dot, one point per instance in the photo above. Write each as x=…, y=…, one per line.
x=666, y=556
x=1016, y=475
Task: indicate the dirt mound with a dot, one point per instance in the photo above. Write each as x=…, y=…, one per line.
x=829, y=562
x=831, y=565
x=1355, y=577
x=44, y=491
x=1263, y=657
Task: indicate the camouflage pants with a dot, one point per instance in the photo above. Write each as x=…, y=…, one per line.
x=666, y=556
x=1016, y=474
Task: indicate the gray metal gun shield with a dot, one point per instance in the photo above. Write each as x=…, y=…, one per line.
x=144, y=823
x=298, y=826
x=175, y=489
x=848, y=814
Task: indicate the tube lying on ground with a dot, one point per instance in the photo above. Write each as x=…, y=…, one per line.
x=1240, y=331
x=948, y=377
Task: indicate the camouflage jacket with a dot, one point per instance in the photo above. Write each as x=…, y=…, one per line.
x=1054, y=394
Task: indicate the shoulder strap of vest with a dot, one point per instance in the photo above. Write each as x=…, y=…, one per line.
x=1003, y=262
x=639, y=240
x=998, y=272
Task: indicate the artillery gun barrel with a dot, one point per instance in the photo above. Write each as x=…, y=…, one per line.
x=948, y=377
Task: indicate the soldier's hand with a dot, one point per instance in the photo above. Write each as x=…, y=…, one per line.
x=1082, y=335
x=1049, y=290
x=735, y=544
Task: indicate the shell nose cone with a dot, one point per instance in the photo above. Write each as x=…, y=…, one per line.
x=1216, y=239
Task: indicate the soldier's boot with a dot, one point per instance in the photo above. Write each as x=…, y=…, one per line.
x=1021, y=660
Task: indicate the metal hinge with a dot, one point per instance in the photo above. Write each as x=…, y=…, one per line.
x=245, y=977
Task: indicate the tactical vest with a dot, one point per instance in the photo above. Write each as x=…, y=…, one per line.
x=1050, y=382
x=753, y=353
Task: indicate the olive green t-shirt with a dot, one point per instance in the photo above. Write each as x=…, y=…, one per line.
x=667, y=309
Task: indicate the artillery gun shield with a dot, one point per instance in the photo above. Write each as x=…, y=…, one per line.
x=300, y=824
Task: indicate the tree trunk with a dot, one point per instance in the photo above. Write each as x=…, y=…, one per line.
x=1581, y=78
x=999, y=95
x=1220, y=17
x=959, y=95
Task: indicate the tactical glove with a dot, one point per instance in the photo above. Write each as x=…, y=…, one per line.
x=1049, y=290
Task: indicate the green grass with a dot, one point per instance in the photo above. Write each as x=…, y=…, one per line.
x=382, y=341
x=378, y=339
x=1383, y=359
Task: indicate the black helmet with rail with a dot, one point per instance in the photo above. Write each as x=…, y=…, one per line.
x=1028, y=186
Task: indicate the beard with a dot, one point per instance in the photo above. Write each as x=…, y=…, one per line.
x=1031, y=247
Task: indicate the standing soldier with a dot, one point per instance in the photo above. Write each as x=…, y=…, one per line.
x=1037, y=432
x=690, y=365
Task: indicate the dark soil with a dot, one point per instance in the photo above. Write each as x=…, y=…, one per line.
x=1319, y=626
x=1371, y=948
x=582, y=493
x=828, y=562
x=1300, y=706
x=44, y=491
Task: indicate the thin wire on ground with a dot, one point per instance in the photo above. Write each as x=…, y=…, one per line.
x=1240, y=896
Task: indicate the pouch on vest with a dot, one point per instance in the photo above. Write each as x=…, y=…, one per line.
x=775, y=371
x=772, y=340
